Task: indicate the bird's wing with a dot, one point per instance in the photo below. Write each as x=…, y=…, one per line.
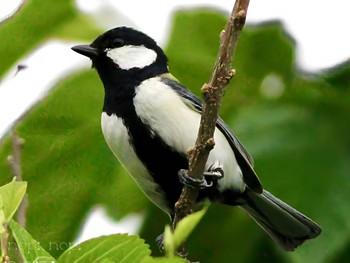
x=244, y=160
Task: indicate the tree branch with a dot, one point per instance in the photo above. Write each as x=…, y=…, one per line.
x=213, y=92
x=14, y=161
x=4, y=243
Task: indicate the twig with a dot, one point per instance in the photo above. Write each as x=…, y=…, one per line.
x=14, y=161
x=4, y=242
x=213, y=92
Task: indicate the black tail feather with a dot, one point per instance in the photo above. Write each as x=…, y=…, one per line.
x=286, y=226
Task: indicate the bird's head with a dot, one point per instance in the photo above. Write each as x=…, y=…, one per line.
x=125, y=52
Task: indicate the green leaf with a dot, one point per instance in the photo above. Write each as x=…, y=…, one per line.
x=30, y=249
x=164, y=260
x=184, y=228
x=112, y=248
x=30, y=26
x=169, y=242
x=12, y=195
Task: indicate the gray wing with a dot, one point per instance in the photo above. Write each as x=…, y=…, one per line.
x=244, y=160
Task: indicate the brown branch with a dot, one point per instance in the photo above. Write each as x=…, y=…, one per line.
x=4, y=243
x=213, y=92
x=14, y=161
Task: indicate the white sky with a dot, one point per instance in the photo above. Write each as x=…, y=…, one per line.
x=320, y=28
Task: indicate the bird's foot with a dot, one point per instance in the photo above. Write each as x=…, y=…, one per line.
x=160, y=242
x=214, y=173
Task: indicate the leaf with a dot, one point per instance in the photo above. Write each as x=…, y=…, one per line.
x=164, y=260
x=169, y=242
x=31, y=25
x=12, y=195
x=112, y=248
x=186, y=226
x=172, y=241
x=30, y=249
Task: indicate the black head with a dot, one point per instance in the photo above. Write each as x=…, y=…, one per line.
x=124, y=52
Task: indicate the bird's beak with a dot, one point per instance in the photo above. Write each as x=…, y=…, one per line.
x=86, y=50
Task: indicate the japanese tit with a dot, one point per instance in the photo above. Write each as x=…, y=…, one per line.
x=149, y=122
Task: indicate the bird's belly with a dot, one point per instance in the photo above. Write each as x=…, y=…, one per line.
x=117, y=138
x=161, y=108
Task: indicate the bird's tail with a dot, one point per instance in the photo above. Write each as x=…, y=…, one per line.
x=287, y=227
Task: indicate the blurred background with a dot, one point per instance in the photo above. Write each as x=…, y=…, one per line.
x=289, y=104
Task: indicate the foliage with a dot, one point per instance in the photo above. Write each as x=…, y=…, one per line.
x=31, y=250
x=294, y=124
x=11, y=196
x=173, y=240
x=112, y=248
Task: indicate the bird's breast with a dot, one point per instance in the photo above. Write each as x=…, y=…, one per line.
x=117, y=137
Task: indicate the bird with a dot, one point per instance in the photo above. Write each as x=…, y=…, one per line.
x=150, y=120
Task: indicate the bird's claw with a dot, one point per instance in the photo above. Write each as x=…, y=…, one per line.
x=185, y=179
x=213, y=174
x=160, y=242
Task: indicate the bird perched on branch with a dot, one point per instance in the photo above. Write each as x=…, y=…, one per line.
x=150, y=120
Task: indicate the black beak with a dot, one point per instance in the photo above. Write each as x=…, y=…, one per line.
x=86, y=50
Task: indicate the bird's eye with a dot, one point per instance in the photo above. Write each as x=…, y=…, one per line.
x=118, y=42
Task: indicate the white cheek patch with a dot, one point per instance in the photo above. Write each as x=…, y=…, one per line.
x=128, y=57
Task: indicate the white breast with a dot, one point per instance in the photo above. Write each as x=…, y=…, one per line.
x=117, y=138
x=162, y=109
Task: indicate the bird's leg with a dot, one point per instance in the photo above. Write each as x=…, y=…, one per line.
x=160, y=242
x=214, y=173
